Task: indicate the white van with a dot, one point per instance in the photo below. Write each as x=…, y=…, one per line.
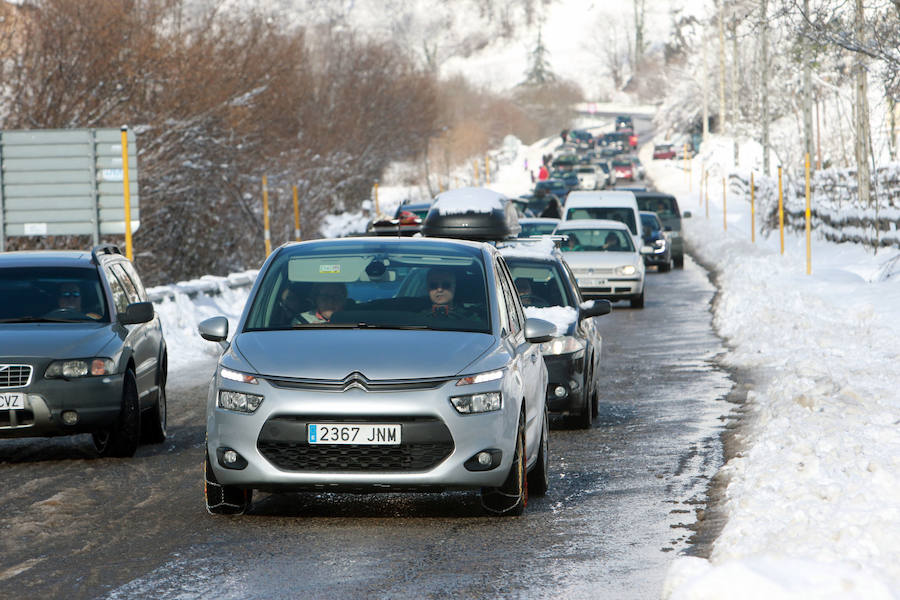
x=615, y=205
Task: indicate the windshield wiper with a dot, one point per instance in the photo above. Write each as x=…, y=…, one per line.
x=30, y=319
x=355, y=326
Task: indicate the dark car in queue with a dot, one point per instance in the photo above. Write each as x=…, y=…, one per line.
x=537, y=226
x=549, y=291
x=656, y=238
x=666, y=208
x=407, y=220
x=557, y=187
x=83, y=350
x=438, y=386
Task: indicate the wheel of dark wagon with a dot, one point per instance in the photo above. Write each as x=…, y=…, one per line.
x=584, y=419
x=638, y=302
x=679, y=262
x=224, y=499
x=122, y=439
x=153, y=422
x=539, y=476
x=666, y=267
x=510, y=498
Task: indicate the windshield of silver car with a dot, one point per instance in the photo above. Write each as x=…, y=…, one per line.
x=368, y=285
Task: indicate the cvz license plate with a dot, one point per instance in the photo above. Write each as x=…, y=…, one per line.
x=593, y=282
x=12, y=401
x=348, y=433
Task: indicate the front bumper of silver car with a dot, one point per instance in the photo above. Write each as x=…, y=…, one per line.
x=270, y=449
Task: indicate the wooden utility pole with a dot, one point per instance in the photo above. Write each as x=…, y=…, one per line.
x=806, y=101
x=722, y=127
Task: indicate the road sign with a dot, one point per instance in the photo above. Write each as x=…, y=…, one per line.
x=65, y=182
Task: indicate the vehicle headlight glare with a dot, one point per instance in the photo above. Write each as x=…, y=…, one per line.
x=72, y=369
x=481, y=377
x=236, y=376
x=562, y=345
x=477, y=403
x=238, y=401
x=626, y=270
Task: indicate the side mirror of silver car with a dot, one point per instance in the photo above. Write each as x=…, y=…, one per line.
x=538, y=331
x=214, y=329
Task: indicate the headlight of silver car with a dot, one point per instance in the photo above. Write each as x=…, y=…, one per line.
x=481, y=377
x=238, y=401
x=562, y=345
x=236, y=376
x=477, y=403
x=80, y=367
x=626, y=270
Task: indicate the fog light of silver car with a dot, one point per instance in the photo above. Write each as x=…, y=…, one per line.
x=230, y=459
x=484, y=460
x=477, y=403
x=238, y=401
x=69, y=417
x=559, y=391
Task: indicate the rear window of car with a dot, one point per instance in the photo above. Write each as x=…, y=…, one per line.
x=373, y=286
x=664, y=206
x=542, y=280
x=613, y=213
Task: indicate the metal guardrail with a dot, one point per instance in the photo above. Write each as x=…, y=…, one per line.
x=208, y=285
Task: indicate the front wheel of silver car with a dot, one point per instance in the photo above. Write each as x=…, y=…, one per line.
x=638, y=301
x=539, y=476
x=510, y=498
x=224, y=499
x=122, y=439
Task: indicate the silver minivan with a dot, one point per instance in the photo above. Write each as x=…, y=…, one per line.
x=378, y=364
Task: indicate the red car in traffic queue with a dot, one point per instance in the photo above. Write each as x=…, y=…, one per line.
x=624, y=169
x=663, y=151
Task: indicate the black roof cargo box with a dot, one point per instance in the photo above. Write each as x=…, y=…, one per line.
x=472, y=213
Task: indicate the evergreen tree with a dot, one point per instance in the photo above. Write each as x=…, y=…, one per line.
x=539, y=72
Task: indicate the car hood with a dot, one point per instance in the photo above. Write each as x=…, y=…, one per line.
x=602, y=260
x=55, y=340
x=377, y=353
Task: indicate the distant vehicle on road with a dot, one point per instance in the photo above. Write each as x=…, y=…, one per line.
x=663, y=152
x=666, y=208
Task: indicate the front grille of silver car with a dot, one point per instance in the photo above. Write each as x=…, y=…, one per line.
x=357, y=380
x=594, y=271
x=425, y=442
x=12, y=376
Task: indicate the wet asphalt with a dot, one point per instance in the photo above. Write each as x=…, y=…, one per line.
x=624, y=500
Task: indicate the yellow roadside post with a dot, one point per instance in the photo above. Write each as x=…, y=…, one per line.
x=706, y=195
x=475, y=168
x=126, y=189
x=780, y=211
x=296, y=215
x=266, y=234
x=702, y=175
x=487, y=170
x=752, y=210
x=808, y=243
x=724, y=208
x=690, y=171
